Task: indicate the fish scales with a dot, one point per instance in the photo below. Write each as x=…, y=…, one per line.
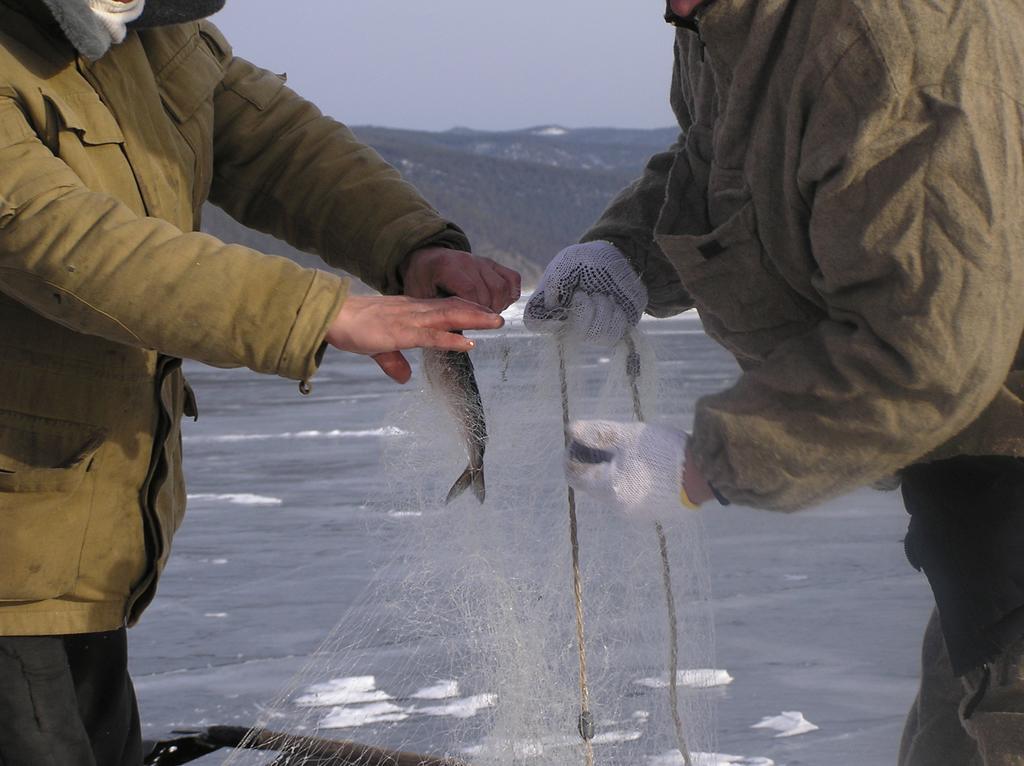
x=451, y=374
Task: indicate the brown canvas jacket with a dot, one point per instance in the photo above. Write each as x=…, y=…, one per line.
x=845, y=209
x=105, y=285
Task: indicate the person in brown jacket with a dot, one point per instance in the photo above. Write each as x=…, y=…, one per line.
x=118, y=120
x=844, y=207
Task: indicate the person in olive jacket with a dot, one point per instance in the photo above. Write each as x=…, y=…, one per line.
x=844, y=207
x=118, y=120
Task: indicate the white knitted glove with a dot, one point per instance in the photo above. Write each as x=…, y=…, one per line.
x=637, y=467
x=590, y=294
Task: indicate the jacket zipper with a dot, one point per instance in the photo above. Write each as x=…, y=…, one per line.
x=152, y=533
x=698, y=14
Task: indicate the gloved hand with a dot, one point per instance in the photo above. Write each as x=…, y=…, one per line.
x=637, y=467
x=589, y=293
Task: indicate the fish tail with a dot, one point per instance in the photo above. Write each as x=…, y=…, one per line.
x=479, y=488
x=471, y=477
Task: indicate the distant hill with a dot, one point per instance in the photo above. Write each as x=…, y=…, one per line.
x=520, y=195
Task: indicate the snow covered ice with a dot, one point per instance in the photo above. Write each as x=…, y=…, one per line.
x=789, y=723
x=709, y=759
x=700, y=678
x=817, y=612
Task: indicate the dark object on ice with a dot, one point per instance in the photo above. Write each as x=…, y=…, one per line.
x=295, y=750
x=451, y=374
x=586, y=726
x=965, y=534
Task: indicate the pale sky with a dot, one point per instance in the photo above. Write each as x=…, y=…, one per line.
x=443, y=63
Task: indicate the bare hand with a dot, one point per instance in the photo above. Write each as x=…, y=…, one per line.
x=381, y=326
x=434, y=271
x=694, y=484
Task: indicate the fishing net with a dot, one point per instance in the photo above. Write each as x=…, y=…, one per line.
x=480, y=640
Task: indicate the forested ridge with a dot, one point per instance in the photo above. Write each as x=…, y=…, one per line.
x=520, y=195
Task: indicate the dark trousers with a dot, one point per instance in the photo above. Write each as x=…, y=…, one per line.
x=967, y=535
x=68, y=701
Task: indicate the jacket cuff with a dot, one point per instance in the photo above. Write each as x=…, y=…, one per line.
x=624, y=245
x=304, y=348
x=452, y=238
x=741, y=470
x=403, y=237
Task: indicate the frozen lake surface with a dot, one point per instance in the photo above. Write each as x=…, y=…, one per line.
x=817, y=613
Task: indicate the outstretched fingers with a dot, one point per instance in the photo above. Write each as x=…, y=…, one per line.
x=394, y=365
x=456, y=314
x=441, y=324
x=381, y=326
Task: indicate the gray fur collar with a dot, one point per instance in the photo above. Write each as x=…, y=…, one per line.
x=83, y=29
x=87, y=33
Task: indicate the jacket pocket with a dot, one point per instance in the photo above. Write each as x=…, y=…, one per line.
x=86, y=116
x=81, y=130
x=45, y=503
x=735, y=287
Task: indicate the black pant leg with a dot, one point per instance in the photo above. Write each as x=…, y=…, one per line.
x=106, y=696
x=967, y=534
x=39, y=719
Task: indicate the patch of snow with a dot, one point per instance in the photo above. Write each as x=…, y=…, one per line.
x=335, y=434
x=700, y=678
x=241, y=498
x=551, y=130
x=612, y=737
x=532, y=749
x=350, y=718
x=462, y=708
x=789, y=723
x=356, y=690
x=514, y=313
x=440, y=691
x=673, y=758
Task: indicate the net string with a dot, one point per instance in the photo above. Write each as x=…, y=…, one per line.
x=586, y=718
x=481, y=602
x=633, y=371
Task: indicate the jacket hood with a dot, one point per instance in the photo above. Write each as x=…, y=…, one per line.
x=691, y=21
x=161, y=13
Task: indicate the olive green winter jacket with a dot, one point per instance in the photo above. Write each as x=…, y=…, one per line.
x=105, y=286
x=845, y=209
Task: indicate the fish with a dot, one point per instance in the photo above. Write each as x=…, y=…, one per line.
x=451, y=374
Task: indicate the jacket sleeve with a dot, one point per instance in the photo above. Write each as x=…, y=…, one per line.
x=916, y=224
x=629, y=221
x=85, y=260
x=284, y=168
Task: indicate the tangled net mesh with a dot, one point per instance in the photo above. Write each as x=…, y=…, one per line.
x=467, y=646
